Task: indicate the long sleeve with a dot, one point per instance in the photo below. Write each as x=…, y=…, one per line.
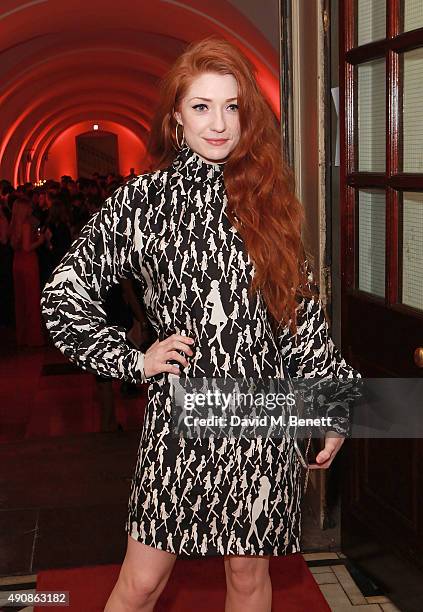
x=72, y=301
x=311, y=353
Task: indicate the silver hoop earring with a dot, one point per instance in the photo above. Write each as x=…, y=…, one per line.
x=177, y=138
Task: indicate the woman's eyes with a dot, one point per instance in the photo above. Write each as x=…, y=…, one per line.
x=205, y=105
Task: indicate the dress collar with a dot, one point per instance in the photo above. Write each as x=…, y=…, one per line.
x=188, y=163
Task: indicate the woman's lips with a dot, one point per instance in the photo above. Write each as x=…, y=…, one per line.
x=216, y=142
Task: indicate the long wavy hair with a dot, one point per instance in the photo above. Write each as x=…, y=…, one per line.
x=260, y=186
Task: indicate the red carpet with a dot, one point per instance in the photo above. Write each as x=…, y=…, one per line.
x=193, y=585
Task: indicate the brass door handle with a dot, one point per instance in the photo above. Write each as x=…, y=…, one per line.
x=418, y=357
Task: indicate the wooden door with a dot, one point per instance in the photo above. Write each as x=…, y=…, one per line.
x=97, y=151
x=381, y=104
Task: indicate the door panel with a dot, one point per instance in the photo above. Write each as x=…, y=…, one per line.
x=411, y=90
x=371, y=21
x=381, y=77
x=412, y=15
x=371, y=128
x=370, y=247
x=411, y=250
x=97, y=151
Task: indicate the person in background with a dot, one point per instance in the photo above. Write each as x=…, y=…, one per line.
x=4, y=227
x=79, y=214
x=72, y=188
x=93, y=203
x=58, y=231
x=25, y=239
x=6, y=267
x=110, y=178
x=41, y=213
x=40, y=207
x=131, y=174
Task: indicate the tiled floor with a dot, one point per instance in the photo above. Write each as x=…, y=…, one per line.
x=338, y=586
x=62, y=471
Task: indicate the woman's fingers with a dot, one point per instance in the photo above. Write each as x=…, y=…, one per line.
x=176, y=357
x=181, y=347
x=168, y=367
x=323, y=461
x=324, y=458
x=159, y=353
x=178, y=338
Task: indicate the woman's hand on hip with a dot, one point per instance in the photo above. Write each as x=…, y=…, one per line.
x=333, y=442
x=160, y=352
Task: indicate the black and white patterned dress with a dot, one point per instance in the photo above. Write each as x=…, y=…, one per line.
x=169, y=229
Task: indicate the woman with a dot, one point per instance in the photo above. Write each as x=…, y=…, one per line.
x=24, y=239
x=218, y=213
x=6, y=268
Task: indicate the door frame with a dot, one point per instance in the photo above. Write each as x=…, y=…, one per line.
x=305, y=113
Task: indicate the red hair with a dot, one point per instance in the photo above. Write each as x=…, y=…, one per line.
x=260, y=186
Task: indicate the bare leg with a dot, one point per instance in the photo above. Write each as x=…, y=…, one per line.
x=143, y=576
x=249, y=588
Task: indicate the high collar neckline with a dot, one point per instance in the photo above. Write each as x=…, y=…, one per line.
x=193, y=167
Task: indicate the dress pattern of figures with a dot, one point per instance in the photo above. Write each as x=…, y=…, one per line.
x=169, y=229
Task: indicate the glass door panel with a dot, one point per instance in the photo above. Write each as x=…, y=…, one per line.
x=411, y=64
x=371, y=116
x=412, y=15
x=371, y=21
x=371, y=241
x=411, y=252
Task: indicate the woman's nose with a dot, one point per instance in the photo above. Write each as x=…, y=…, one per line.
x=218, y=121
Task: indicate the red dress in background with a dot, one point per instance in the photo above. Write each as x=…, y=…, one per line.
x=26, y=282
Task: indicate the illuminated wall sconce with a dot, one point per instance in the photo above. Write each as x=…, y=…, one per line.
x=95, y=126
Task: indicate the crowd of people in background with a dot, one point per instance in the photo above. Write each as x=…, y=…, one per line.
x=37, y=227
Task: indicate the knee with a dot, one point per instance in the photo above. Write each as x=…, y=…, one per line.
x=140, y=588
x=246, y=576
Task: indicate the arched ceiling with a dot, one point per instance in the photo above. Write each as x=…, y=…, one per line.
x=63, y=62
